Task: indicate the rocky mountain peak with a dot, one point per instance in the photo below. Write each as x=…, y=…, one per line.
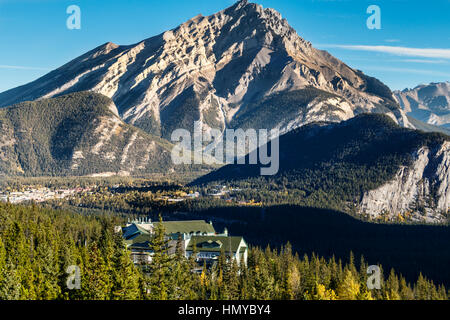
x=258, y=18
x=241, y=3
x=216, y=68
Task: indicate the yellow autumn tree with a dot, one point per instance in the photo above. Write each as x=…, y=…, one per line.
x=349, y=287
x=323, y=294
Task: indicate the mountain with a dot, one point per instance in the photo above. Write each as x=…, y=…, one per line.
x=428, y=103
x=244, y=62
x=423, y=126
x=75, y=134
x=366, y=166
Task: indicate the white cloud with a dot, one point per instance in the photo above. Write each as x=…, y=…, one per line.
x=22, y=68
x=399, y=51
x=424, y=61
x=408, y=70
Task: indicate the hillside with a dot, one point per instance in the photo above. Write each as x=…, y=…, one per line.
x=227, y=69
x=367, y=166
x=423, y=126
x=75, y=134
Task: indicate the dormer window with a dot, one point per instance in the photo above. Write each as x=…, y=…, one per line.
x=210, y=244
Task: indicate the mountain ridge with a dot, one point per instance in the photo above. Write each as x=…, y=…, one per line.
x=366, y=166
x=75, y=134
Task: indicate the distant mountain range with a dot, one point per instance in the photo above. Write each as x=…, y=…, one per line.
x=428, y=103
x=367, y=165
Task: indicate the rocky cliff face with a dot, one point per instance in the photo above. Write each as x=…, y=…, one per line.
x=428, y=103
x=419, y=192
x=211, y=68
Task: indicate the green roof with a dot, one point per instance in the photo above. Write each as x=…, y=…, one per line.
x=195, y=226
x=141, y=240
x=214, y=243
x=133, y=231
x=135, y=235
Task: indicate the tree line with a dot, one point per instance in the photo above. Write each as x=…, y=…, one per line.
x=38, y=245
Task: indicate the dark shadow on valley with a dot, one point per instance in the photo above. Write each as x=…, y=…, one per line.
x=409, y=249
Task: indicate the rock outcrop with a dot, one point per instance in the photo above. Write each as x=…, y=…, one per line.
x=420, y=191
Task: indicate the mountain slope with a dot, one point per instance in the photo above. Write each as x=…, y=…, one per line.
x=420, y=125
x=76, y=134
x=367, y=165
x=428, y=103
x=218, y=68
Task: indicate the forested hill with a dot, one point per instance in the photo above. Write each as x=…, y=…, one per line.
x=338, y=165
x=75, y=134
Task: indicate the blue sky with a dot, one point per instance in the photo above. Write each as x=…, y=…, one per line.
x=412, y=47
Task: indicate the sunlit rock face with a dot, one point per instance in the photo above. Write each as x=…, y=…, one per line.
x=421, y=190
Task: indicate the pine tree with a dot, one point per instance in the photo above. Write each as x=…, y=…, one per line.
x=47, y=272
x=182, y=275
x=67, y=256
x=106, y=247
x=231, y=280
x=204, y=283
x=10, y=287
x=95, y=281
x=421, y=288
x=320, y=292
x=2, y=259
x=406, y=293
x=349, y=288
x=287, y=291
x=243, y=280
x=391, y=287
x=20, y=257
x=198, y=288
x=262, y=282
x=442, y=293
x=219, y=271
x=363, y=266
x=160, y=268
x=125, y=276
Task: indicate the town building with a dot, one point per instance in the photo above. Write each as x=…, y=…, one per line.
x=197, y=235
x=209, y=249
